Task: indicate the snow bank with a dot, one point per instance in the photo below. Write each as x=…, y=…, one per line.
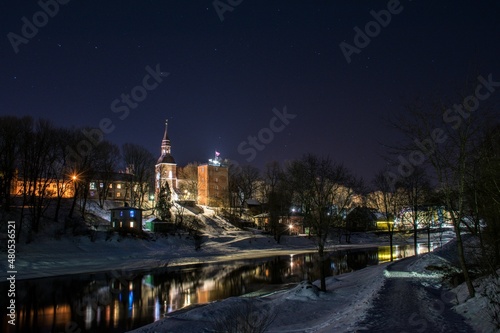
x=300, y=309
x=478, y=310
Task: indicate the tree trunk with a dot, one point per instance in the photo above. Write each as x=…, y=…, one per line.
x=73, y=204
x=8, y=184
x=428, y=239
x=322, y=265
x=20, y=228
x=415, y=246
x=391, y=233
x=463, y=265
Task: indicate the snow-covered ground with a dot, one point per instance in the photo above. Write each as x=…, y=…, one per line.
x=71, y=255
x=46, y=256
x=301, y=309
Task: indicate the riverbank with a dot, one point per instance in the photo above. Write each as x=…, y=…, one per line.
x=300, y=309
x=75, y=255
x=343, y=308
x=52, y=253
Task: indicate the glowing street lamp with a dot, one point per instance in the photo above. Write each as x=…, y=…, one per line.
x=74, y=178
x=152, y=199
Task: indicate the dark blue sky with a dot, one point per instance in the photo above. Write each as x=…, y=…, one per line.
x=225, y=77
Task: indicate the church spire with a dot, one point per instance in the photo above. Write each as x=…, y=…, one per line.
x=165, y=143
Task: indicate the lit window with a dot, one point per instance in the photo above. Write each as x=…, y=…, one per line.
x=132, y=213
x=121, y=212
x=101, y=185
x=119, y=186
x=118, y=194
x=131, y=224
x=110, y=185
x=92, y=186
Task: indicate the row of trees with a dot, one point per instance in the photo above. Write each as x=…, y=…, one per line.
x=39, y=154
x=323, y=192
x=438, y=165
x=460, y=150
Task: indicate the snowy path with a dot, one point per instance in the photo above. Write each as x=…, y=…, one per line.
x=411, y=302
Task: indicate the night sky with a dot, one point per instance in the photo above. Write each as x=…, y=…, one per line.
x=221, y=79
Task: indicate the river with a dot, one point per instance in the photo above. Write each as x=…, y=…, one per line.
x=118, y=301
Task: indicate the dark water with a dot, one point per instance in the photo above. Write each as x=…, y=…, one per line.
x=119, y=301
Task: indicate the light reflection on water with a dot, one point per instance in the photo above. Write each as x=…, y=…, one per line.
x=121, y=301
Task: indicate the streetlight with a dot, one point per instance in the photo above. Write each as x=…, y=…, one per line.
x=74, y=178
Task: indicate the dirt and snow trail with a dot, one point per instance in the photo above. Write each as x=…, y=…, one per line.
x=412, y=302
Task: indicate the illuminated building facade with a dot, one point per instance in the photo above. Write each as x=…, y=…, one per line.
x=213, y=179
x=126, y=218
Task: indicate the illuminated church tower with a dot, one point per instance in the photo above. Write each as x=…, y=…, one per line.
x=166, y=168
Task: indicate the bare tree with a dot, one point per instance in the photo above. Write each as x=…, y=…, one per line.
x=320, y=186
x=443, y=138
x=244, y=183
x=278, y=196
x=386, y=202
x=81, y=162
x=179, y=214
x=484, y=192
x=140, y=163
x=61, y=169
x=188, y=181
x=37, y=157
x=415, y=189
x=12, y=130
x=105, y=165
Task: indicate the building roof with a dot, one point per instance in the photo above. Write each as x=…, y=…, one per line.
x=113, y=176
x=166, y=158
x=252, y=202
